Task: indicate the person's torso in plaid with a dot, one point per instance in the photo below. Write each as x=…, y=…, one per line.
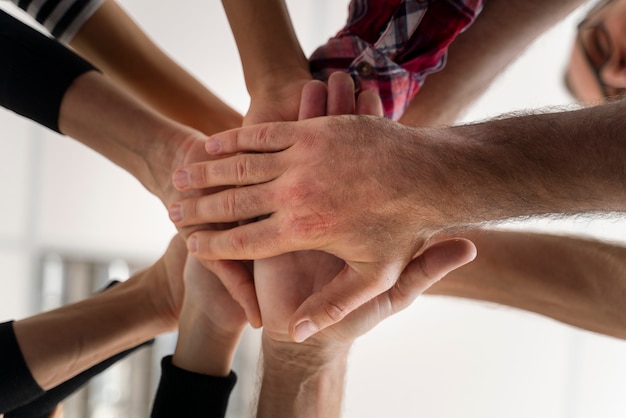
x=390, y=46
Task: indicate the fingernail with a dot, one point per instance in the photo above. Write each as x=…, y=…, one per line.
x=192, y=244
x=213, y=146
x=181, y=179
x=176, y=213
x=304, y=330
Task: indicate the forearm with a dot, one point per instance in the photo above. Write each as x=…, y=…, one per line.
x=301, y=380
x=110, y=37
x=477, y=57
x=269, y=49
x=59, y=344
x=577, y=281
x=106, y=119
x=559, y=163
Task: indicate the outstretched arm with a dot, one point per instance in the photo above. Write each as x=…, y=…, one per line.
x=274, y=64
x=114, y=43
x=407, y=184
x=59, y=344
x=477, y=57
x=581, y=282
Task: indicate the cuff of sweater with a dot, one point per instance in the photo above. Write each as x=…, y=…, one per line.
x=185, y=393
x=17, y=385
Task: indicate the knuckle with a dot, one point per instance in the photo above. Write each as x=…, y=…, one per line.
x=241, y=169
x=237, y=243
x=262, y=136
x=333, y=311
x=230, y=205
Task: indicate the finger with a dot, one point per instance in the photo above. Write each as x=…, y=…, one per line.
x=238, y=170
x=313, y=100
x=369, y=103
x=240, y=284
x=342, y=295
x=252, y=241
x=230, y=205
x=340, y=94
x=427, y=269
x=267, y=137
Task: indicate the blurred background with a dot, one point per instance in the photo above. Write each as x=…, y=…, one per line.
x=71, y=220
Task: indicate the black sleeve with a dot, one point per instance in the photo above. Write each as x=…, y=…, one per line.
x=45, y=404
x=17, y=385
x=38, y=403
x=182, y=393
x=35, y=72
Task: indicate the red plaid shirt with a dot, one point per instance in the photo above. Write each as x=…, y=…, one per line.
x=390, y=46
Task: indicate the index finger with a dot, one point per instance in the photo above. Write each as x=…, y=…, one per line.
x=266, y=137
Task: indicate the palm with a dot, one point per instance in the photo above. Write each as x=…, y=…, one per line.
x=205, y=292
x=284, y=282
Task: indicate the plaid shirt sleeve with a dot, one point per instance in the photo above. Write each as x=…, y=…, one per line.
x=391, y=46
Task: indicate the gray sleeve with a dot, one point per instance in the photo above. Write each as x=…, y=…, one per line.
x=61, y=18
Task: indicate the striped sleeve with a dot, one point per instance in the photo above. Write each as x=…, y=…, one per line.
x=61, y=18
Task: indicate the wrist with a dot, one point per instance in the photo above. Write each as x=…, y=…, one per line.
x=202, y=347
x=303, y=379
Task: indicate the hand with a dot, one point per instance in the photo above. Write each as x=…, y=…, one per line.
x=428, y=268
x=211, y=323
x=307, y=379
x=364, y=189
x=164, y=283
x=294, y=276
x=235, y=274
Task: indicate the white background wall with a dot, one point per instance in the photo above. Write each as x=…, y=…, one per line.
x=440, y=358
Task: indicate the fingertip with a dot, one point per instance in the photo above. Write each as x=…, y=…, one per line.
x=369, y=103
x=303, y=331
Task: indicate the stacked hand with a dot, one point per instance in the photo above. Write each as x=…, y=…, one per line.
x=355, y=213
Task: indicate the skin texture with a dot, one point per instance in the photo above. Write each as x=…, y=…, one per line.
x=409, y=188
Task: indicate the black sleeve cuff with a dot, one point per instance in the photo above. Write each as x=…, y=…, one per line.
x=36, y=72
x=17, y=385
x=182, y=393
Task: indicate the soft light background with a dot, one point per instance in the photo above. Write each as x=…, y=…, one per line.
x=443, y=358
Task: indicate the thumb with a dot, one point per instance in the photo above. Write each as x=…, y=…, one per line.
x=239, y=282
x=430, y=267
x=344, y=293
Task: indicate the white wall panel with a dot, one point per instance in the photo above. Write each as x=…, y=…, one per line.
x=15, y=285
x=90, y=205
x=15, y=174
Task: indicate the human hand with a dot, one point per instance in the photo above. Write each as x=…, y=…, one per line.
x=306, y=379
x=187, y=147
x=429, y=267
x=210, y=326
x=310, y=176
x=293, y=276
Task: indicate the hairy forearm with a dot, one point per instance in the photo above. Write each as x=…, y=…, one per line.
x=269, y=49
x=301, y=380
x=563, y=163
x=477, y=57
x=59, y=344
x=581, y=282
x=110, y=37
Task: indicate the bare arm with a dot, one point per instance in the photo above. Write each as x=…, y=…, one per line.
x=274, y=64
x=581, y=282
x=110, y=38
x=61, y=343
x=498, y=36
